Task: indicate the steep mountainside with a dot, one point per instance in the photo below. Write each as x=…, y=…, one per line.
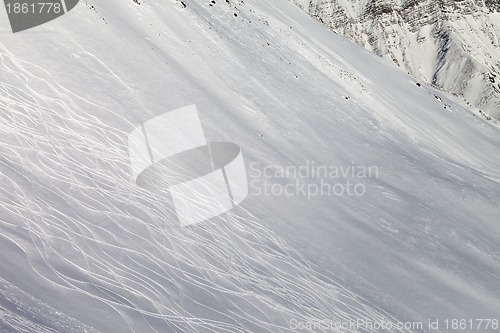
x=85, y=248
x=454, y=45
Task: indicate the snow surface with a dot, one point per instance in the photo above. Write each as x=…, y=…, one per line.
x=454, y=45
x=84, y=249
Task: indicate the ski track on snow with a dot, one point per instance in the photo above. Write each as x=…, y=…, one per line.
x=96, y=233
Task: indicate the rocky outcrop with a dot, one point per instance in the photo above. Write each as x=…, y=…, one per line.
x=453, y=44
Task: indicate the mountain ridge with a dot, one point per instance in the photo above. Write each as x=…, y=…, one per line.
x=88, y=243
x=453, y=45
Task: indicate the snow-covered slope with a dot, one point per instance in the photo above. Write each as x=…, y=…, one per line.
x=84, y=249
x=452, y=44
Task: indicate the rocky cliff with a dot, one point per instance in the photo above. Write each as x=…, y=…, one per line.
x=454, y=45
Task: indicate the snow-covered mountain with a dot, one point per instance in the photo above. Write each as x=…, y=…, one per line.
x=372, y=200
x=454, y=45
